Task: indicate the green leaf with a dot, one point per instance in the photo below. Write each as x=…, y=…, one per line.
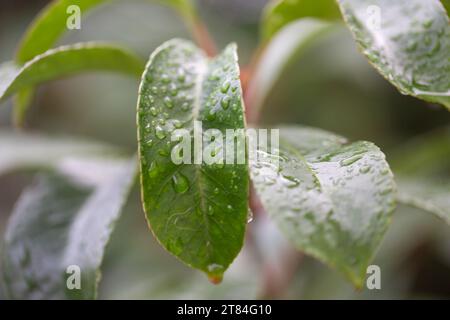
x=64, y=61
x=332, y=199
x=279, y=13
x=198, y=212
x=48, y=27
x=428, y=194
x=33, y=151
x=60, y=222
x=285, y=46
x=422, y=172
x=410, y=46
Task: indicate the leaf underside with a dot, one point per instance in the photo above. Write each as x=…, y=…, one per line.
x=331, y=198
x=59, y=222
x=198, y=212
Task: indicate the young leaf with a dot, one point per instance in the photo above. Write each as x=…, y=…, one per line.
x=291, y=41
x=31, y=151
x=64, y=61
x=407, y=41
x=48, y=27
x=60, y=227
x=331, y=198
x=198, y=212
x=279, y=13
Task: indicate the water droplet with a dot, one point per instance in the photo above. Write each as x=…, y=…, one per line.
x=185, y=106
x=160, y=132
x=364, y=169
x=154, y=90
x=173, y=90
x=249, y=215
x=180, y=183
x=153, y=171
x=225, y=102
x=165, y=78
x=163, y=152
x=211, y=115
x=216, y=191
x=210, y=210
x=225, y=87
x=351, y=160
x=230, y=207
x=153, y=111
x=168, y=102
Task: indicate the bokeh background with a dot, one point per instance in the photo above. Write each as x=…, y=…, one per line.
x=331, y=86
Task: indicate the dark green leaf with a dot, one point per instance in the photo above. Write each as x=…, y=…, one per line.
x=280, y=13
x=331, y=198
x=285, y=46
x=64, y=61
x=32, y=151
x=60, y=222
x=198, y=212
x=407, y=41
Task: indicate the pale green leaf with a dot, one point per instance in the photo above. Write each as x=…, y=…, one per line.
x=60, y=222
x=407, y=41
x=65, y=61
x=422, y=172
x=279, y=13
x=23, y=151
x=331, y=198
x=285, y=46
x=198, y=212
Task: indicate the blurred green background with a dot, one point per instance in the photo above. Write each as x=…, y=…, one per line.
x=331, y=86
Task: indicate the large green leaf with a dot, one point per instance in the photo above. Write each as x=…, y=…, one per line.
x=64, y=61
x=36, y=151
x=280, y=13
x=198, y=212
x=422, y=172
x=331, y=198
x=59, y=222
x=287, y=44
x=407, y=41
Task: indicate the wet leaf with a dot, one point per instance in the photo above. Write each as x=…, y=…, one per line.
x=407, y=41
x=332, y=199
x=197, y=211
x=60, y=222
x=280, y=13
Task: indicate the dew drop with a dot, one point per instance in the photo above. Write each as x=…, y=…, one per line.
x=225, y=87
x=160, y=132
x=249, y=215
x=153, y=111
x=153, y=170
x=180, y=183
x=168, y=102
x=351, y=160
x=225, y=102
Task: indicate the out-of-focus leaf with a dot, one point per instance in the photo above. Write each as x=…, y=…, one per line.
x=288, y=43
x=64, y=61
x=279, y=13
x=59, y=223
x=407, y=41
x=30, y=151
x=430, y=195
x=197, y=211
x=422, y=171
x=331, y=198
x=48, y=27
